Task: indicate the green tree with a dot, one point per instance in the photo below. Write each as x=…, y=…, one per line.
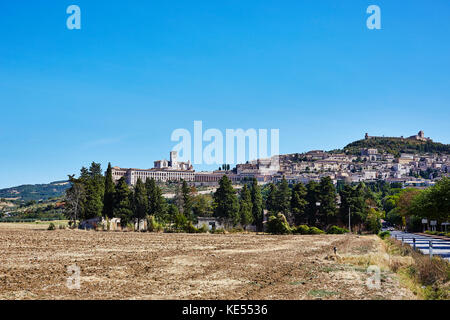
x=123, y=202
x=373, y=220
x=177, y=220
x=108, y=197
x=282, y=198
x=245, y=207
x=75, y=199
x=327, y=199
x=277, y=224
x=157, y=206
x=202, y=205
x=226, y=205
x=432, y=203
x=271, y=202
x=299, y=203
x=353, y=201
x=172, y=212
x=94, y=185
x=257, y=205
x=312, y=197
x=187, y=200
x=140, y=202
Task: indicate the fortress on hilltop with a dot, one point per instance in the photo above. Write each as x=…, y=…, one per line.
x=419, y=137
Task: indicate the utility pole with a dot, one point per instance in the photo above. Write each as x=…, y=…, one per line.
x=349, y=224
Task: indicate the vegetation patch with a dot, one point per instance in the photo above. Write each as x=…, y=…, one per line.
x=336, y=230
x=320, y=293
x=384, y=234
x=430, y=278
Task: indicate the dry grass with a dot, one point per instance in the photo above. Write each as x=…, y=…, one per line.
x=430, y=277
x=380, y=257
x=131, y=265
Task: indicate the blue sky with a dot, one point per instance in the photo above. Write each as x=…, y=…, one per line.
x=116, y=89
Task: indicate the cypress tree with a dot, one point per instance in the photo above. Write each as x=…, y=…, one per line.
x=156, y=203
x=299, y=203
x=327, y=198
x=257, y=205
x=283, y=197
x=108, y=197
x=271, y=202
x=312, y=197
x=245, y=207
x=140, y=203
x=122, y=202
x=187, y=200
x=94, y=183
x=226, y=205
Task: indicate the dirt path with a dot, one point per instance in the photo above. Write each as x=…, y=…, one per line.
x=116, y=265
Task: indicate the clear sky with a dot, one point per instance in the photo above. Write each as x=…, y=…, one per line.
x=116, y=89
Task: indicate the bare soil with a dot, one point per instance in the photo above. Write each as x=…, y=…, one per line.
x=130, y=265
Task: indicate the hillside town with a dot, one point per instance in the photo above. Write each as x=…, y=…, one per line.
x=409, y=169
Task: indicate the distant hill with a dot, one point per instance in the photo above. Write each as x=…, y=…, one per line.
x=396, y=146
x=36, y=192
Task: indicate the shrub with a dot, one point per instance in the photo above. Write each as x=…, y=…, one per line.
x=372, y=222
x=314, y=230
x=236, y=230
x=51, y=226
x=189, y=228
x=218, y=231
x=384, y=234
x=180, y=222
x=336, y=230
x=153, y=225
x=278, y=225
x=72, y=224
x=301, y=229
x=203, y=229
x=100, y=227
x=432, y=274
x=431, y=271
x=435, y=293
x=62, y=227
x=437, y=233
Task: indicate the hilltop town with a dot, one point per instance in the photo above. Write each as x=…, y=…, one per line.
x=418, y=169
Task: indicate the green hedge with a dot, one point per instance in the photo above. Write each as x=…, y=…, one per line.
x=314, y=230
x=278, y=225
x=301, y=229
x=384, y=234
x=437, y=233
x=336, y=230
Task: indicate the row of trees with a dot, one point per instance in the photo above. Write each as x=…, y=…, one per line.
x=94, y=195
x=245, y=210
x=316, y=204
x=407, y=207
